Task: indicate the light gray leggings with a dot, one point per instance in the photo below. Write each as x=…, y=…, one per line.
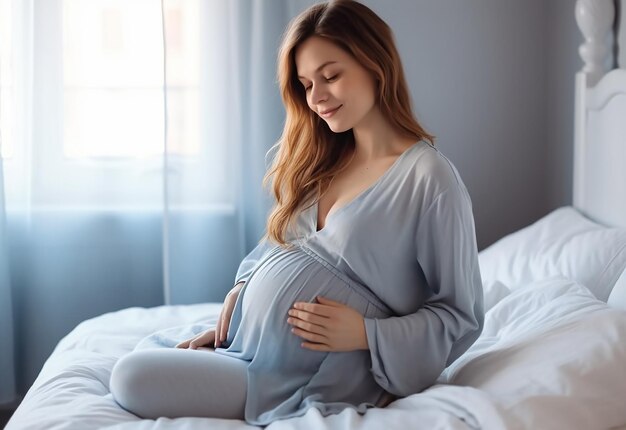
x=173, y=382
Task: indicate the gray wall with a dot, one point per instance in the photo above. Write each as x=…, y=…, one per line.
x=494, y=81
x=564, y=38
x=620, y=10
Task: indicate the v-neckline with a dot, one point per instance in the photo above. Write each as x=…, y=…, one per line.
x=334, y=212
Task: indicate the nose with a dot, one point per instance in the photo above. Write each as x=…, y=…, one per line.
x=318, y=94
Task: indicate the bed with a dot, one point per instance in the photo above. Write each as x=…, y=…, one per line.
x=552, y=354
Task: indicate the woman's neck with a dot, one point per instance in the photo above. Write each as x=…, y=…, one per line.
x=375, y=138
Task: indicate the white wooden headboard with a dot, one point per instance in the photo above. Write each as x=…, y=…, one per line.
x=600, y=120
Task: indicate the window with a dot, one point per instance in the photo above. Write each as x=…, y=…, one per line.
x=88, y=76
x=7, y=115
x=113, y=78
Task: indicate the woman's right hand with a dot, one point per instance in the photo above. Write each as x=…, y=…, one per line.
x=204, y=339
x=210, y=337
x=227, y=311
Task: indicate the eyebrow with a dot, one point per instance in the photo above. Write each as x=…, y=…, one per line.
x=319, y=68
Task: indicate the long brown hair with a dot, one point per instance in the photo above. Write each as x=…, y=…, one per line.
x=308, y=153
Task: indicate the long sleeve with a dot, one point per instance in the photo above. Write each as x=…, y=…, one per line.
x=248, y=264
x=409, y=352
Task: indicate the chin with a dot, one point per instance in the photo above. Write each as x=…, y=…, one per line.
x=337, y=128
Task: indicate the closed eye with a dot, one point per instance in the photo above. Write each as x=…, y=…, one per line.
x=329, y=79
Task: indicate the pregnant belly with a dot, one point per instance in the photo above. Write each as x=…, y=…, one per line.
x=282, y=375
x=284, y=277
x=294, y=275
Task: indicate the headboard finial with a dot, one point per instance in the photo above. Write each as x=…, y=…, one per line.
x=595, y=20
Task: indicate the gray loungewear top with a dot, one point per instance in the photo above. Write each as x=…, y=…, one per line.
x=404, y=254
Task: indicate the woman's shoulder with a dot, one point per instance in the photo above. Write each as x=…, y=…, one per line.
x=433, y=170
x=436, y=179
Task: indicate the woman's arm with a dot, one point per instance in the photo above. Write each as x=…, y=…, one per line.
x=223, y=322
x=410, y=352
x=214, y=336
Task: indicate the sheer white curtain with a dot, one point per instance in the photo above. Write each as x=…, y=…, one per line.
x=101, y=209
x=15, y=94
x=7, y=341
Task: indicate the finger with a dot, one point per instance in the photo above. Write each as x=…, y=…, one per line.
x=313, y=337
x=218, y=329
x=224, y=319
x=329, y=302
x=223, y=328
x=323, y=310
x=229, y=312
x=195, y=342
x=316, y=346
x=313, y=328
x=307, y=316
x=183, y=344
x=205, y=338
x=226, y=322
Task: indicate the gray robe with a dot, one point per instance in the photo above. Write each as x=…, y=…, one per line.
x=403, y=253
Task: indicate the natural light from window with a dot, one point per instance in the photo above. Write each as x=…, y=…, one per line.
x=113, y=78
x=7, y=117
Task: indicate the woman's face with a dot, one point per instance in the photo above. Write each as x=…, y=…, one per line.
x=338, y=88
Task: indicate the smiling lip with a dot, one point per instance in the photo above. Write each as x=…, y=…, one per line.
x=330, y=112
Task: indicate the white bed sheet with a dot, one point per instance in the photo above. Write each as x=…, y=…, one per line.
x=551, y=356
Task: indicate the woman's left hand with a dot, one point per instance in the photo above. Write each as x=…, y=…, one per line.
x=328, y=326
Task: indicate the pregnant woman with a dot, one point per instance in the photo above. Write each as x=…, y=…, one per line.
x=366, y=285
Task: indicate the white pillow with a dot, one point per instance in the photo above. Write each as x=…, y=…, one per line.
x=551, y=356
x=617, y=299
x=562, y=243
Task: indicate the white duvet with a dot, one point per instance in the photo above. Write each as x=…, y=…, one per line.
x=551, y=356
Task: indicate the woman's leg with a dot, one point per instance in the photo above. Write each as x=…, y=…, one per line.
x=173, y=382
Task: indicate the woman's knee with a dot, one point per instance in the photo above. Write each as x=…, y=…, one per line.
x=179, y=382
x=129, y=380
